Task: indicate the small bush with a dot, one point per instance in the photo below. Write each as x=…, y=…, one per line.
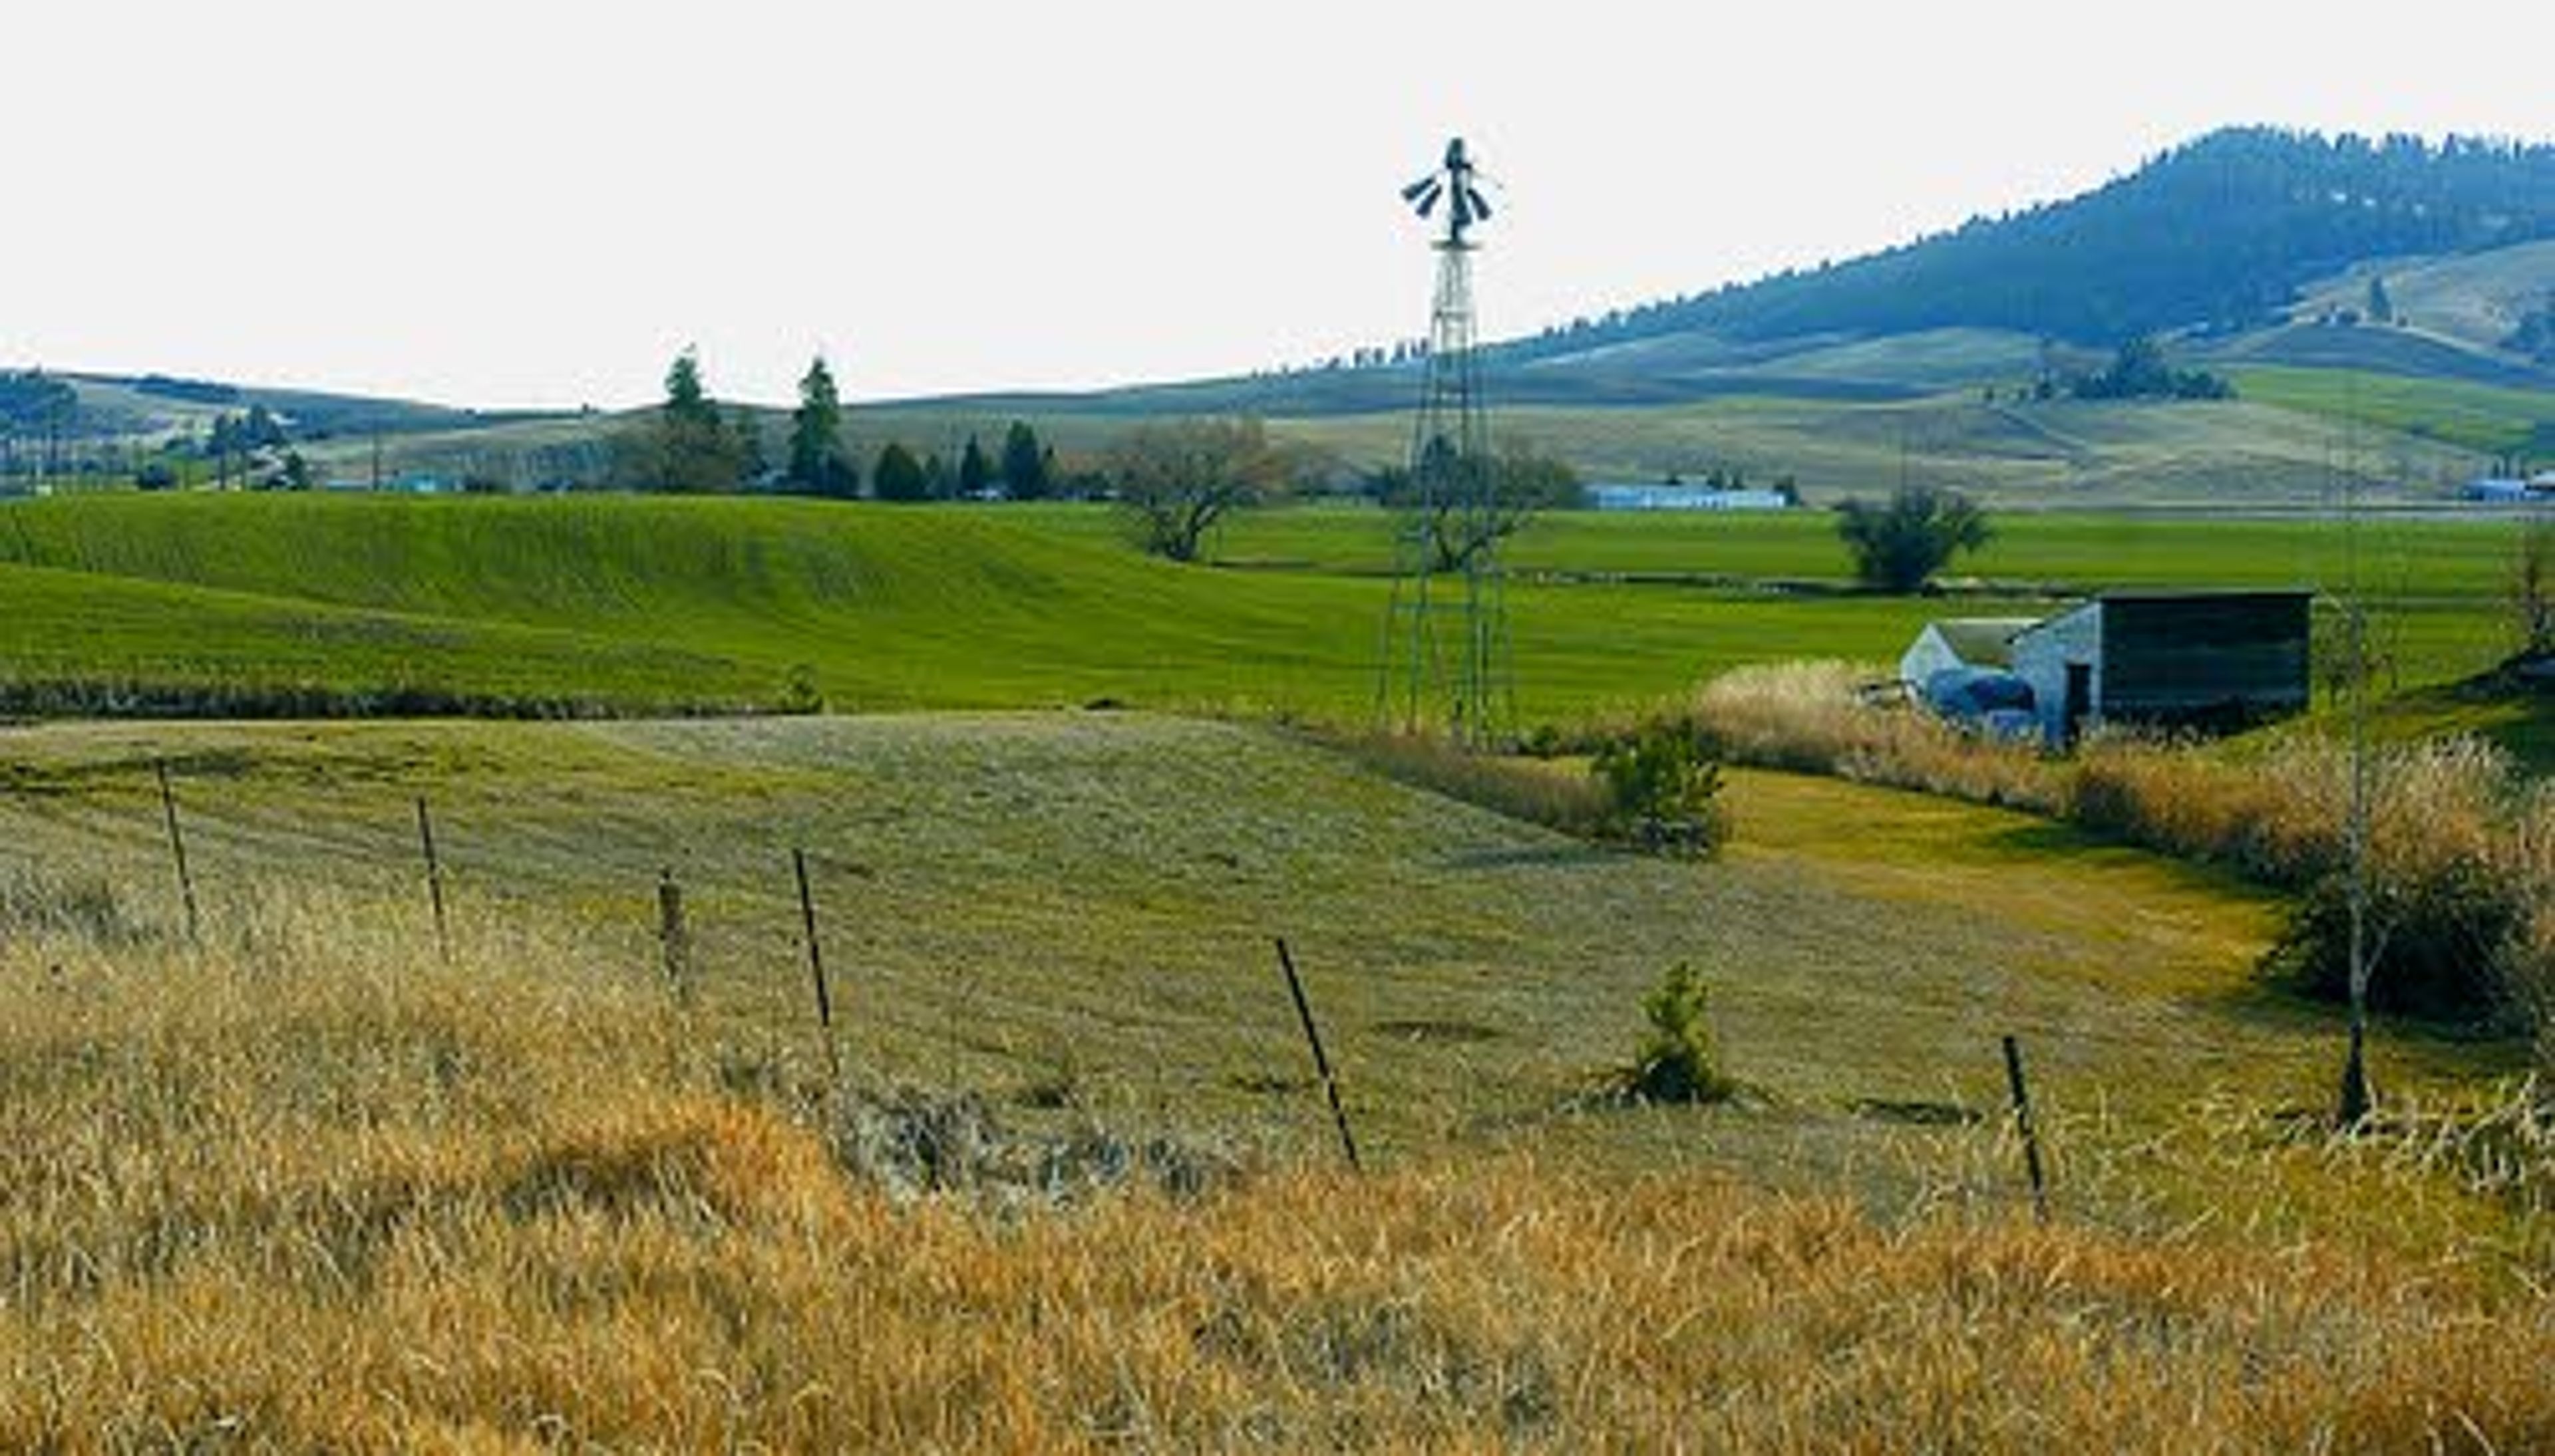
x=800, y=692
x=1678, y=1061
x=2438, y=944
x=1662, y=788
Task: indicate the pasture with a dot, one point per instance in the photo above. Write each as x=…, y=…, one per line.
x=1074, y=1187
x=587, y=604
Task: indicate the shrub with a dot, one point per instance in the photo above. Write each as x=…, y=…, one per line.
x=1662, y=788
x=2436, y=942
x=1896, y=545
x=1678, y=1061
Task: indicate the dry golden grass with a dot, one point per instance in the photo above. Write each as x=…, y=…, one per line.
x=1809, y=717
x=309, y=1188
x=1558, y=797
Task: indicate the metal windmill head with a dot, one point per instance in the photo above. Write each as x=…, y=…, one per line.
x=1453, y=185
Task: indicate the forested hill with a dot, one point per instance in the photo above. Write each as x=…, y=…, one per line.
x=2219, y=233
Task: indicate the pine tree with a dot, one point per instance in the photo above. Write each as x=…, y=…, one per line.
x=750, y=457
x=1027, y=467
x=686, y=448
x=818, y=462
x=899, y=476
x=975, y=471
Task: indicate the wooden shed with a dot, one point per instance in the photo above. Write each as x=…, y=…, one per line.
x=2198, y=659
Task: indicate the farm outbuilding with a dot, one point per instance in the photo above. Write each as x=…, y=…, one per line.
x=2204, y=658
x=1614, y=497
x=1962, y=642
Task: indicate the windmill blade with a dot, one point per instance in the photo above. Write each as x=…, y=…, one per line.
x=1429, y=199
x=1481, y=208
x=1411, y=193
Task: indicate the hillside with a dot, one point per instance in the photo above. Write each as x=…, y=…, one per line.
x=2223, y=233
x=2254, y=252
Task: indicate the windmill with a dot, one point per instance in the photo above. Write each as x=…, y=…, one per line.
x=1445, y=630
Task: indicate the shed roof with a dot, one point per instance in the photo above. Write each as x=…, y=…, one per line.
x=1982, y=642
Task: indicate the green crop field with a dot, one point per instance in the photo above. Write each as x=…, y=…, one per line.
x=640, y=604
x=2491, y=418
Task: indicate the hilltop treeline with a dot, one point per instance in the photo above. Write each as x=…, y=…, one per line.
x=2221, y=232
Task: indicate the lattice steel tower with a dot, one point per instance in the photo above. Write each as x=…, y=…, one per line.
x=1446, y=632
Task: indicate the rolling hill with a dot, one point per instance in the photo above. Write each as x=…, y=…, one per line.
x=2251, y=252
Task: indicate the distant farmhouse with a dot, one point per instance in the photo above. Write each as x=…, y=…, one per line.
x=2207, y=660
x=1614, y=497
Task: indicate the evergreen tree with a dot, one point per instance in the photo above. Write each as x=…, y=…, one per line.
x=975, y=473
x=818, y=462
x=1027, y=468
x=2381, y=308
x=686, y=401
x=750, y=457
x=899, y=476
x=686, y=448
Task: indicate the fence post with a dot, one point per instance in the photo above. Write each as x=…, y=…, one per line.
x=178, y=849
x=1321, y=1062
x=816, y=965
x=675, y=936
x=2024, y=1123
x=434, y=881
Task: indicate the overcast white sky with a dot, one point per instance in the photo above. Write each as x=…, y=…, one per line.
x=540, y=201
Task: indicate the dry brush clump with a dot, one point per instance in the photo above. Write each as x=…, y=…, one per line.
x=1815, y=718
x=1532, y=790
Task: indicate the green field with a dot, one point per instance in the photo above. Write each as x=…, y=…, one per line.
x=2494, y=419
x=267, y=605
x=656, y=603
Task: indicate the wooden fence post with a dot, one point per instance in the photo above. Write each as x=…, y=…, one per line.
x=434, y=881
x=675, y=936
x=2024, y=1123
x=1321, y=1062
x=178, y=849
x=816, y=965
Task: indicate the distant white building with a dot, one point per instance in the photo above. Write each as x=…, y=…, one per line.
x=2503, y=490
x=1684, y=498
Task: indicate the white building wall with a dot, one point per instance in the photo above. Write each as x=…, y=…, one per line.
x=1928, y=654
x=2042, y=656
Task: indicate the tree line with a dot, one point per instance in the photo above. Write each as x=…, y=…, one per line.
x=690, y=446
